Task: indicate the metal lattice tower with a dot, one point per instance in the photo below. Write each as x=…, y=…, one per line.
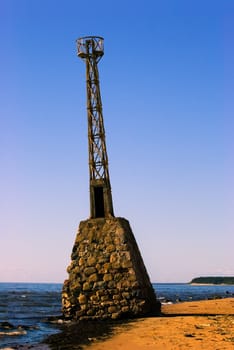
x=91, y=50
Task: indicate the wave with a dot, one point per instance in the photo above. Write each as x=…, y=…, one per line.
x=13, y=333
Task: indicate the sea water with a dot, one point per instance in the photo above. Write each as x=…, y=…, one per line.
x=27, y=307
x=176, y=292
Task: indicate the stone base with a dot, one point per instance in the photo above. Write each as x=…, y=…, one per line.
x=107, y=276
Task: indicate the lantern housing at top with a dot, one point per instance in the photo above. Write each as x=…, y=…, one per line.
x=90, y=46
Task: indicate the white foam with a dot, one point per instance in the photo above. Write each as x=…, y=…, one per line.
x=33, y=347
x=13, y=333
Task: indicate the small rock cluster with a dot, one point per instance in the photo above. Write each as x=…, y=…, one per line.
x=107, y=276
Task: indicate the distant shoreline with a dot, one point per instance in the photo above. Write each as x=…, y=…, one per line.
x=210, y=284
x=213, y=280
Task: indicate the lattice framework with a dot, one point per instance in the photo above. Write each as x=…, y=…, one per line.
x=91, y=49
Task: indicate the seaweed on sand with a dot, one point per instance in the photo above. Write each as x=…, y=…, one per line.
x=76, y=334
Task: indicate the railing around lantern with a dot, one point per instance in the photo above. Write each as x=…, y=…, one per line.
x=90, y=46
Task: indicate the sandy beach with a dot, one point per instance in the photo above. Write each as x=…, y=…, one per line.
x=189, y=325
x=205, y=324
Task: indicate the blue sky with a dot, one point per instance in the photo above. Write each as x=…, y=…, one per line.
x=167, y=90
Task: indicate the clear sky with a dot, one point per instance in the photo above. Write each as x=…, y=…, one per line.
x=167, y=83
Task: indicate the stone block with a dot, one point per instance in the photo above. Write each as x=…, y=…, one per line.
x=116, y=265
x=87, y=286
x=93, y=278
x=90, y=312
x=120, y=232
x=84, y=307
x=69, y=268
x=107, y=303
x=75, y=285
x=132, y=278
x=78, y=314
x=101, y=259
x=99, y=285
x=112, y=309
x=135, y=285
x=111, y=284
x=114, y=257
x=94, y=298
x=91, y=261
x=82, y=299
x=126, y=295
x=125, y=309
x=126, y=264
x=101, y=291
x=81, y=262
x=107, y=277
x=108, y=240
x=118, y=276
x=123, y=284
x=106, y=267
x=89, y=270
x=110, y=248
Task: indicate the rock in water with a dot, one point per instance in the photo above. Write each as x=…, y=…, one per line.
x=107, y=276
